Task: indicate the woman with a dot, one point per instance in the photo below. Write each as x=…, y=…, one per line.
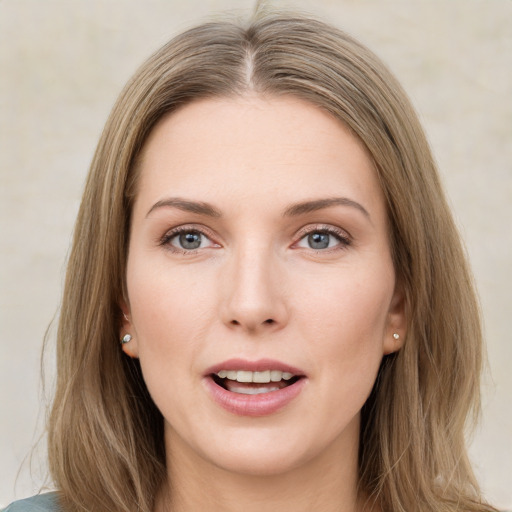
x=264, y=230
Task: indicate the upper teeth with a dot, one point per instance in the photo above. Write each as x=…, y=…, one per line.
x=245, y=376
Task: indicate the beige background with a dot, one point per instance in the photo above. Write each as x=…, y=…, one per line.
x=62, y=63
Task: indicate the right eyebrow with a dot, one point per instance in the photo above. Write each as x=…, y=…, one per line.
x=320, y=204
x=199, y=207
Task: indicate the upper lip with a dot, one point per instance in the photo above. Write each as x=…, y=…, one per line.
x=259, y=365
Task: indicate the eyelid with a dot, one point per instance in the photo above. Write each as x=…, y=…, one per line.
x=184, y=228
x=327, y=228
x=343, y=235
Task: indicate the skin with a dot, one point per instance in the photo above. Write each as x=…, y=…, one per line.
x=254, y=289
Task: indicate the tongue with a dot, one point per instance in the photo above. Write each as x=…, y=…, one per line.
x=253, y=388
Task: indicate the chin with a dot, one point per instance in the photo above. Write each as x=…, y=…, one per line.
x=265, y=450
x=261, y=450
x=256, y=463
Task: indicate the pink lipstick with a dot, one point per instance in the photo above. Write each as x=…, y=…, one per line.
x=253, y=388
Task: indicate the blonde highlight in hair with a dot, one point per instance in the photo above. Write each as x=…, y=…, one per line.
x=106, y=447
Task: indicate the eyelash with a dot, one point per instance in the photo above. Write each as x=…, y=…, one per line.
x=342, y=237
x=169, y=235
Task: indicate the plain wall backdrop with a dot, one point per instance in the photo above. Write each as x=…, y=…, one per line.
x=62, y=64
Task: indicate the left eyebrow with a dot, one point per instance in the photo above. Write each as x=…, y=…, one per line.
x=320, y=204
x=198, y=207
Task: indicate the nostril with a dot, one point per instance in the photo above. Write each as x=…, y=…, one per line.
x=269, y=321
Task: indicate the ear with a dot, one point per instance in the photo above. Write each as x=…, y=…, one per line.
x=130, y=348
x=396, y=328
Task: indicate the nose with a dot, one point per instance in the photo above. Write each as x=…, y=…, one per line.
x=254, y=292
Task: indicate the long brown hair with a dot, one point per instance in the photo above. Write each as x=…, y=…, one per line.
x=106, y=447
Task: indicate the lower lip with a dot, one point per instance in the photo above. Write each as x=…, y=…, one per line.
x=262, y=404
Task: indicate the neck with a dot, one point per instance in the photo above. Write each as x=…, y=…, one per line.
x=326, y=483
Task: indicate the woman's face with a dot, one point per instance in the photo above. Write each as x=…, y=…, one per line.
x=261, y=291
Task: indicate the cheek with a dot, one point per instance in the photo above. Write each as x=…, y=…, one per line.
x=165, y=297
x=348, y=301
x=170, y=310
x=170, y=314
x=344, y=322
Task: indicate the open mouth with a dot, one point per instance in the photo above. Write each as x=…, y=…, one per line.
x=254, y=383
x=254, y=388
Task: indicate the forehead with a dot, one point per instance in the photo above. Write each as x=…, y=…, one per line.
x=245, y=147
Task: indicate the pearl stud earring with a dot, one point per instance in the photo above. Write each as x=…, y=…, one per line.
x=396, y=336
x=126, y=339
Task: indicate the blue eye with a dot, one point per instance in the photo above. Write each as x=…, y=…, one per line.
x=319, y=240
x=188, y=240
x=323, y=239
x=191, y=240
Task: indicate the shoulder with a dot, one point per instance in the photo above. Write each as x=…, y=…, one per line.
x=40, y=503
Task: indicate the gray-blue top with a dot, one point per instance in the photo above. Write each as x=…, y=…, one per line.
x=40, y=503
